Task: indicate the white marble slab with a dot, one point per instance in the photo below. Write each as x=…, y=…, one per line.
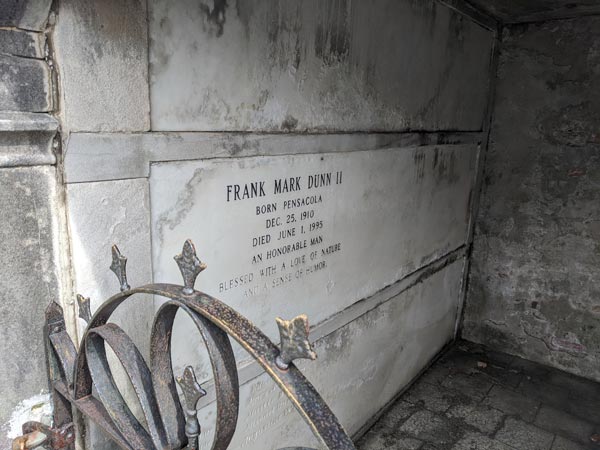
x=361, y=366
x=100, y=215
x=394, y=211
x=292, y=65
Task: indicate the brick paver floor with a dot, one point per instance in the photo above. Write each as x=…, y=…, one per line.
x=476, y=399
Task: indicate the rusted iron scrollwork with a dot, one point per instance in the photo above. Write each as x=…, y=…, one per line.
x=82, y=380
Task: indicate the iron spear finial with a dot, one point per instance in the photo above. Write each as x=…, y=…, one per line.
x=189, y=265
x=84, y=308
x=192, y=392
x=119, y=267
x=294, y=341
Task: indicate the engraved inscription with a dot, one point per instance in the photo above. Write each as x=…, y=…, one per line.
x=289, y=243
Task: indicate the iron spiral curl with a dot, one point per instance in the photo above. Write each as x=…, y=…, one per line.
x=84, y=380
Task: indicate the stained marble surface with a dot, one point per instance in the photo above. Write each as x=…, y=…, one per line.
x=360, y=368
x=395, y=211
x=316, y=65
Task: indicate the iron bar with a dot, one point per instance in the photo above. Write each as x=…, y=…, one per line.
x=84, y=378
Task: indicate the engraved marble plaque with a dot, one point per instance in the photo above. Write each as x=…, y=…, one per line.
x=314, y=233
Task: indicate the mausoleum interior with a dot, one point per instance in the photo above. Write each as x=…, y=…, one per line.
x=300, y=224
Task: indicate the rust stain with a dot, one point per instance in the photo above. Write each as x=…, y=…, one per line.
x=576, y=172
x=566, y=345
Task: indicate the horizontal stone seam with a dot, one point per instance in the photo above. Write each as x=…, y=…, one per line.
x=17, y=55
x=388, y=292
x=16, y=28
x=78, y=169
x=473, y=13
x=33, y=165
x=550, y=17
x=249, y=371
x=297, y=153
x=273, y=133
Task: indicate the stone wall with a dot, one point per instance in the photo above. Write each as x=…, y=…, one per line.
x=534, y=285
x=30, y=274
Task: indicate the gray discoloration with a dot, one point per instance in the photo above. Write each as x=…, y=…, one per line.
x=534, y=286
x=101, y=49
x=22, y=43
x=332, y=37
x=215, y=17
x=184, y=204
x=329, y=65
x=29, y=280
x=12, y=11
x=289, y=123
x=26, y=14
x=24, y=85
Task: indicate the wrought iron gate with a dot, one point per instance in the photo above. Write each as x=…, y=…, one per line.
x=82, y=380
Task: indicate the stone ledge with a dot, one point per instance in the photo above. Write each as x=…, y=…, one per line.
x=26, y=139
x=118, y=156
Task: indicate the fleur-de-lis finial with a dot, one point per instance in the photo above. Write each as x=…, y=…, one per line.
x=118, y=266
x=84, y=308
x=192, y=392
x=189, y=265
x=294, y=341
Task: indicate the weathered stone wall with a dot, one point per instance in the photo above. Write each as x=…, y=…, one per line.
x=534, y=285
x=30, y=274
